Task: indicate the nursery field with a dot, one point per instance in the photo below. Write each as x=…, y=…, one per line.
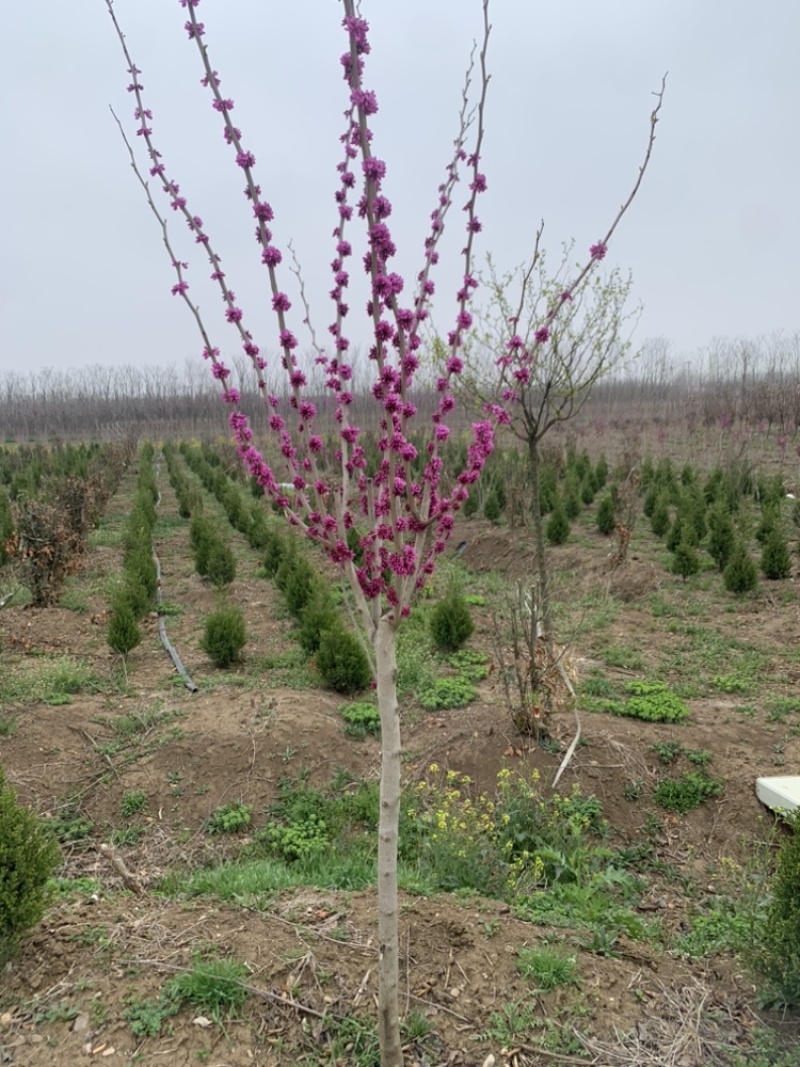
x=215, y=903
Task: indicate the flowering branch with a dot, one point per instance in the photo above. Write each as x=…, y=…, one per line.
x=515, y=364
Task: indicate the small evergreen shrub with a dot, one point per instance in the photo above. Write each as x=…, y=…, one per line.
x=572, y=498
x=775, y=561
x=685, y=561
x=29, y=856
x=342, y=662
x=693, y=506
x=6, y=527
x=659, y=517
x=681, y=530
x=123, y=630
x=606, y=516
x=740, y=575
x=317, y=616
x=557, y=528
x=135, y=592
x=721, y=536
x=201, y=537
x=225, y=636
x=275, y=552
x=471, y=505
x=650, y=501
x=548, y=490
x=776, y=954
x=296, y=579
x=451, y=623
x=769, y=520
x=220, y=564
x=492, y=509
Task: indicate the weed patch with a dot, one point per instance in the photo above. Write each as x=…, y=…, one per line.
x=687, y=792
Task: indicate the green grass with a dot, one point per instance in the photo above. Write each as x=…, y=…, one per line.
x=623, y=656
x=510, y=1025
x=547, y=968
x=687, y=792
x=132, y=803
x=290, y=669
x=48, y=680
x=8, y=725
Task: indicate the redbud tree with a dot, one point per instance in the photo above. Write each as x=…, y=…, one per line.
x=404, y=520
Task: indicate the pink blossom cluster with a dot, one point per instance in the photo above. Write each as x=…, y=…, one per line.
x=404, y=521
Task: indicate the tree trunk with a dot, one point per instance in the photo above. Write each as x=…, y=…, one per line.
x=388, y=940
x=538, y=536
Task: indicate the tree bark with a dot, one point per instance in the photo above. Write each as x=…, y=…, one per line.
x=538, y=536
x=388, y=939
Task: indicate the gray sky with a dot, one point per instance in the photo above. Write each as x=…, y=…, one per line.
x=712, y=239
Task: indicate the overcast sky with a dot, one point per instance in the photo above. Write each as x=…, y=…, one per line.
x=712, y=240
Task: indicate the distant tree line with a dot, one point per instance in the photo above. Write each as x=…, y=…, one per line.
x=731, y=380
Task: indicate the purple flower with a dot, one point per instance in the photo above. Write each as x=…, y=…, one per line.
x=233, y=314
x=281, y=302
x=271, y=256
x=245, y=159
x=263, y=211
x=542, y=335
x=365, y=99
x=180, y=288
x=374, y=169
x=598, y=251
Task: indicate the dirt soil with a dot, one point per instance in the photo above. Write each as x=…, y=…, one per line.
x=313, y=956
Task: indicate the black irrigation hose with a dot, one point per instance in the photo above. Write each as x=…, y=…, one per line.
x=162, y=630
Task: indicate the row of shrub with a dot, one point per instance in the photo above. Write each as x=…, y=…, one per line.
x=690, y=517
x=24, y=468
x=42, y=534
x=339, y=656
x=246, y=515
x=188, y=496
x=137, y=592
x=566, y=487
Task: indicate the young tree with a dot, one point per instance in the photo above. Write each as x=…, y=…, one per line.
x=549, y=363
x=403, y=520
